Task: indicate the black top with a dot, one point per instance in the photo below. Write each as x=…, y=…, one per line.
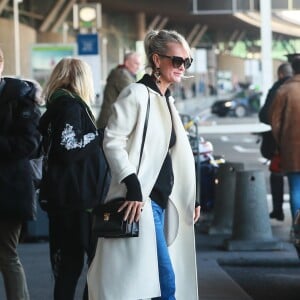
x=165, y=180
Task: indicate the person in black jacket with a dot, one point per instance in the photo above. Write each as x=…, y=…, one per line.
x=19, y=140
x=72, y=183
x=284, y=72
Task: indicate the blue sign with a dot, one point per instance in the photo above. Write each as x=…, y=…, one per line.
x=87, y=44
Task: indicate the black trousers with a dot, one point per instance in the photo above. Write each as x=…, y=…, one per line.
x=277, y=190
x=70, y=240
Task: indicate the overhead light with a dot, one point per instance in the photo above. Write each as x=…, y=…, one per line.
x=87, y=16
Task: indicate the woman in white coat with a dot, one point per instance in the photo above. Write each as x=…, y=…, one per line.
x=157, y=264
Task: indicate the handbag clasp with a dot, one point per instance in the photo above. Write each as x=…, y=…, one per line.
x=106, y=216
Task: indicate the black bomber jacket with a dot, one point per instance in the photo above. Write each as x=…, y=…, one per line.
x=72, y=181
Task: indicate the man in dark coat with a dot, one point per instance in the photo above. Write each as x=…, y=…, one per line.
x=19, y=140
x=284, y=72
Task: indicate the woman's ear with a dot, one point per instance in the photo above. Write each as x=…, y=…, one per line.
x=156, y=60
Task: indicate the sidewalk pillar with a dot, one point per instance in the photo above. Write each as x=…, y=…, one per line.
x=225, y=195
x=251, y=225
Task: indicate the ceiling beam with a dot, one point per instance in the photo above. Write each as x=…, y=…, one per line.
x=240, y=36
x=162, y=23
x=154, y=23
x=233, y=36
x=63, y=16
x=169, y=7
x=193, y=33
x=199, y=35
x=232, y=40
x=51, y=16
x=276, y=25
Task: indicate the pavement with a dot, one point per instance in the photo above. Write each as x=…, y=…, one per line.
x=222, y=274
x=212, y=258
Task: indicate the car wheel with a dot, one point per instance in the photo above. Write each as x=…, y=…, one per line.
x=240, y=111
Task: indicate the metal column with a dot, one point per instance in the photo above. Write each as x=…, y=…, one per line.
x=266, y=47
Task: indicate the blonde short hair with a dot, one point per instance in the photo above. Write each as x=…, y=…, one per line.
x=156, y=41
x=71, y=74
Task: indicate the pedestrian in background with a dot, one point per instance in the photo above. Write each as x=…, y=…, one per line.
x=71, y=185
x=163, y=191
x=117, y=80
x=284, y=72
x=19, y=139
x=284, y=117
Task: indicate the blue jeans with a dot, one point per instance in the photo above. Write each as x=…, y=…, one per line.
x=294, y=185
x=166, y=273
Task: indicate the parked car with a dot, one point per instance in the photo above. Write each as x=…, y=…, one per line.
x=243, y=103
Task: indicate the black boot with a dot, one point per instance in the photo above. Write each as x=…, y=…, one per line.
x=278, y=215
x=276, y=182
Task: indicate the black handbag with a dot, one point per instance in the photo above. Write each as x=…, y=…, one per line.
x=107, y=221
x=268, y=145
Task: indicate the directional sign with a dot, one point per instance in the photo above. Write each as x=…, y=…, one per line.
x=87, y=44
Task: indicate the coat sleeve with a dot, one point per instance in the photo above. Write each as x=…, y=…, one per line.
x=263, y=113
x=276, y=114
x=71, y=141
x=120, y=126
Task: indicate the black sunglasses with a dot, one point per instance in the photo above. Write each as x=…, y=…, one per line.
x=177, y=61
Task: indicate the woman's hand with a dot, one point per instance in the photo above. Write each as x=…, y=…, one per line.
x=197, y=213
x=133, y=210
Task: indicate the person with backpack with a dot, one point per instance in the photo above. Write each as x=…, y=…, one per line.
x=269, y=148
x=71, y=185
x=19, y=140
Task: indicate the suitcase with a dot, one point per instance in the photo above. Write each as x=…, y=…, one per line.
x=208, y=173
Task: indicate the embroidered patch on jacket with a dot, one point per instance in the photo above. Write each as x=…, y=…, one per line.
x=69, y=140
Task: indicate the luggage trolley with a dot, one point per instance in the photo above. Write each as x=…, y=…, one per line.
x=206, y=166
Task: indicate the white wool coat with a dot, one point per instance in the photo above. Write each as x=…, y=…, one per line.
x=126, y=269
